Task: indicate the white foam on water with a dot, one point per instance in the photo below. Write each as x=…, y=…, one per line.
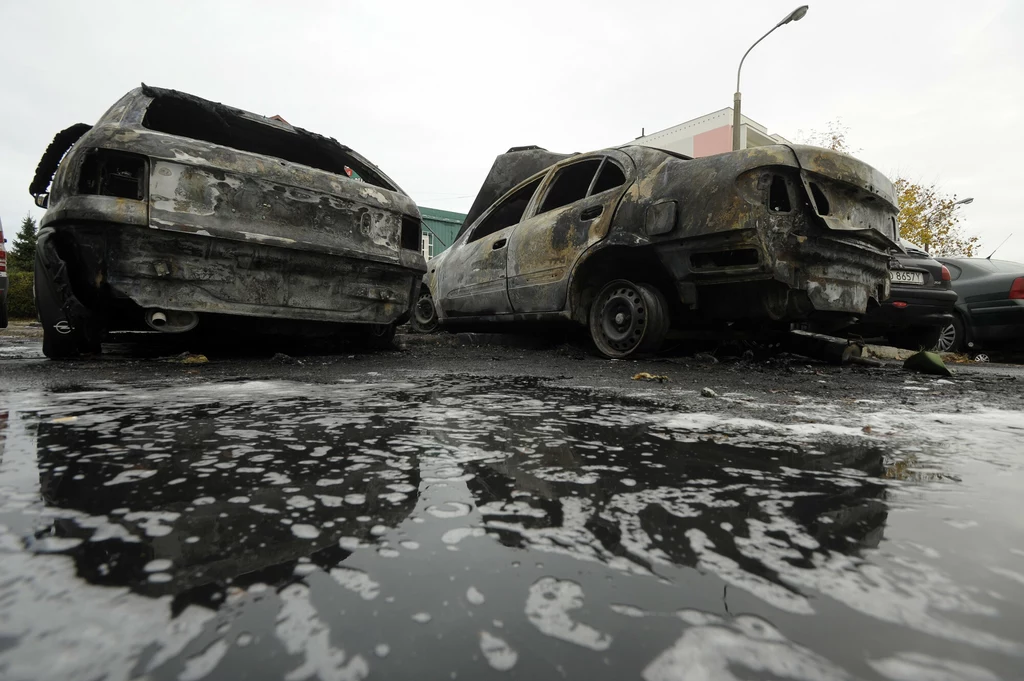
x=474, y=596
x=498, y=653
x=547, y=607
x=302, y=632
x=303, y=531
x=356, y=581
x=917, y=666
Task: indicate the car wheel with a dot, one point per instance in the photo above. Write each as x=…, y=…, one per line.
x=628, y=319
x=424, y=314
x=951, y=337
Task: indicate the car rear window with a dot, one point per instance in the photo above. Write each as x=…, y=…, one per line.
x=179, y=114
x=571, y=184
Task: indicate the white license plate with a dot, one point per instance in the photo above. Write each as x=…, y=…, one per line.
x=904, y=277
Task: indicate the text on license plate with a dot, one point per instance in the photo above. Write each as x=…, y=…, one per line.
x=904, y=277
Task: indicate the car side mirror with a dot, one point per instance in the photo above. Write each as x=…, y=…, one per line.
x=42, y=200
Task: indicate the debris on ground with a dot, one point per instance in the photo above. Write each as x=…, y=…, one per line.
x=283, y=358
x=821, y=347
x=189, y=358
x=705, y=358
x=644, y=376
x=708, y=392
x=925, y=362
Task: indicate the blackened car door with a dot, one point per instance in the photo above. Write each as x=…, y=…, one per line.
x=576, y=211
x=472, y=279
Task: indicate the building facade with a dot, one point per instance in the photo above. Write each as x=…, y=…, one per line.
x=438, y=230
x=708, y=135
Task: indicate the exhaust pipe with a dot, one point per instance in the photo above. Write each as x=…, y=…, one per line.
x=171, y=321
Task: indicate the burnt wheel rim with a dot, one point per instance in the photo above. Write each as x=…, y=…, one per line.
x=425, y=314
x=947, y=338
x=623, y=318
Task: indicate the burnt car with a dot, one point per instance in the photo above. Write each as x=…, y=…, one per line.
x=636, y=242
x=919, y=311
x=173, y=211
x=990, y=311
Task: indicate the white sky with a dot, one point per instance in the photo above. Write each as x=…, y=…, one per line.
x=432, y=91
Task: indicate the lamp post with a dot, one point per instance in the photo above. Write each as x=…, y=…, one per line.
x=961, y=202
x=795, y=15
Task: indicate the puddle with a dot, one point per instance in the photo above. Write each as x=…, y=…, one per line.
x=476, y=527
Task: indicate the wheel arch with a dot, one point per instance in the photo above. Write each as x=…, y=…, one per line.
x=615, y=261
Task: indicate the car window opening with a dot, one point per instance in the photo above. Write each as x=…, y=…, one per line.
x=179, y=114
x=111, y=173
x=411, y=233
x=610, y=177
x=820, y=200
x=507, y=213
x=571, y=184
x=740, y=257
x=778, y=195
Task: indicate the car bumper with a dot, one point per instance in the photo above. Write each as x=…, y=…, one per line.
x=912, y=307
x=196, y=273
x=1000, y=325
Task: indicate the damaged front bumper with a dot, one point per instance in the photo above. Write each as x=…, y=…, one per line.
x=100, y=272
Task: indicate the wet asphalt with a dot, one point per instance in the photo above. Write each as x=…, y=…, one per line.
x=460, y=508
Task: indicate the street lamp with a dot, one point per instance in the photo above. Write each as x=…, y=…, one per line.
x=795, y=15
x=961, y=202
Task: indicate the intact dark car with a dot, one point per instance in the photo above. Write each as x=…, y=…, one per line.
x=174, y=211
x=634, y=241
x=990, y=311
x=3, y=279
x=919, y=310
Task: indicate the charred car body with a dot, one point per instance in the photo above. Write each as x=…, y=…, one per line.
x=633, y=241
x=173, y=211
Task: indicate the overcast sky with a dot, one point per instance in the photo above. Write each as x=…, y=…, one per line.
x=432, y=91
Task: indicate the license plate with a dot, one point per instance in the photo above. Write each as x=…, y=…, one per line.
x=905, y=277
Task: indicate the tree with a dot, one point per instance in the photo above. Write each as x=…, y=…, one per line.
x=928, y=216
x=21, y=258
x=833, y=138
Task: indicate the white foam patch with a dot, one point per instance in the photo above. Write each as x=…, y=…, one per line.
x=498, y=653
x=709, y=650
x=474, y=596
x=303, y=531
x=202, y=665
x=547, y=607
x=129, y=476
x=450, y=509
x=357, y=582
x=917, y=666
x=456, y=535
x=302, y=632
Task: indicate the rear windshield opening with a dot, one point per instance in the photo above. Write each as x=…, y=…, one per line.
x=778, y=195
x=411, y=233
x=740, y=257
x=185, y=116
x=112, y=173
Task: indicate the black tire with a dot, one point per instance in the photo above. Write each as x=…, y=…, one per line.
x=918, y=339
x=628, y=319
x=424, y=314
x=3, y=313
x=952, y=337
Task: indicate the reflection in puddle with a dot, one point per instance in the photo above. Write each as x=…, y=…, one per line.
x=466, y=527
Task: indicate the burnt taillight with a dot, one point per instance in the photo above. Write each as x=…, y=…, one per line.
x=1017, y=290
x=945, y=274
x=113, y=173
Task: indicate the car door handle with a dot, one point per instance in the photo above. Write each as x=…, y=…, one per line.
x=500, y=243
x=591, y=213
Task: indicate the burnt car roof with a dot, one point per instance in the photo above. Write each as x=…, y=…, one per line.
x=188, y=116
x=520, y=163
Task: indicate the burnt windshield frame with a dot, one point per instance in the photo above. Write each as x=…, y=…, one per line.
x=176, y=113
